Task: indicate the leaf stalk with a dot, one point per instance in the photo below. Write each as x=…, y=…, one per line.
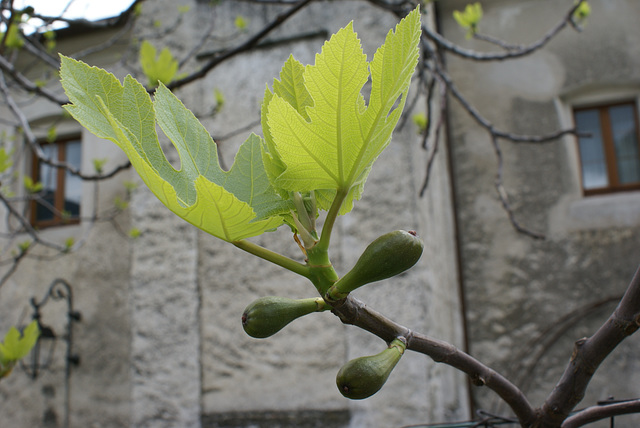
x=329, y=222
x=273, y=257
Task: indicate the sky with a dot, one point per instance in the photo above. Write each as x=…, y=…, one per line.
x=89, y=9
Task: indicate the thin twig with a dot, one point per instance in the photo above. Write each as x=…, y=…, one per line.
x=27, y=84
x=249, y=44
x=435, y=142
x=37, y=149
x=504, y=197
x=511, y=53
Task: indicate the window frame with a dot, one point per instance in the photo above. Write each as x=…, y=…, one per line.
x=609, y=149
x=59, y=198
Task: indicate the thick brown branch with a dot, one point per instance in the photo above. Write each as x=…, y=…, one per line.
x=596, y=413
x=589, y=353
x=354, y=312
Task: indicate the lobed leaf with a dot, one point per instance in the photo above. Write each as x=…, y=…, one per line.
x=16, y=346
x=158, y=68
x=230, y=205
x=319, y=133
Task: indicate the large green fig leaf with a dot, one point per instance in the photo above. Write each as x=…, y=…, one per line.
x=231, y=205
x=319, y=132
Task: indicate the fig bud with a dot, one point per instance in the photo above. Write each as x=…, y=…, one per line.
x=268, y=315
x=387, y=256
x=364, y=376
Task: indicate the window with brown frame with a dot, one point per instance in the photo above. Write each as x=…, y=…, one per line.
x=59, y=200
x=610, y=154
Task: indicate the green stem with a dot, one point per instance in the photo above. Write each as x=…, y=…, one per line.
x=273, y=257
x=332, y=215
x=322, y=273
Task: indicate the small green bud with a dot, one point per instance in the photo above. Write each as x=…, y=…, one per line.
x=241, y=22
x=268, y=315
x=364, y=376
x=421, y=121
x=98, y=165
x=387, y=256
x=68, y=244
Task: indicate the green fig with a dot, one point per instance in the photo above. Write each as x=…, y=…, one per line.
x=364, y=376
x=387, y=256
x=268, y=315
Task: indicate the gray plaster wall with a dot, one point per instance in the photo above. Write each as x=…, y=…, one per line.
x=519, y=289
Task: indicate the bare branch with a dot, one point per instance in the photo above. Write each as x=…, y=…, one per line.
x=504, y=197
x=602, y=411
x=249, y=44
x=37, y=150
x=498, y=42
x=482, y=121
x=523, y=373
x=400, y=8
x=112, y=41
x=40, y=53
x=435, y=141
x=27, y=84
x=517, y=52
x=14, y=266
x=589, y=353
x=26, y=226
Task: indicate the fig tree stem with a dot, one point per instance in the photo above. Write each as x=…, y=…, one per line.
x=332, y=215
x=273, y=257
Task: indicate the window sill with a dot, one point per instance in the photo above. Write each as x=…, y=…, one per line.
x=60, y=233
x=604, y=211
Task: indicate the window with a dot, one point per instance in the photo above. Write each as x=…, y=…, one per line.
x=610, y=156
x=59, y=200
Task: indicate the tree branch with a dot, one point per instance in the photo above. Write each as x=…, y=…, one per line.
x=249, y=44
x=27, y=84
x=602, y=411
x=37, y=150
x=589, y=353
x=516, y=52
x=354, y=312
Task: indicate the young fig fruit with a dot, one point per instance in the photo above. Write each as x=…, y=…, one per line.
x=387, y=256
x=268, y=315
x=364, y=376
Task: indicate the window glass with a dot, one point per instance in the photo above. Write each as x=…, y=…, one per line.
x=47, y=176
x=594, y=170
x=72, y=183
x=623, y=127
x=61, y=195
